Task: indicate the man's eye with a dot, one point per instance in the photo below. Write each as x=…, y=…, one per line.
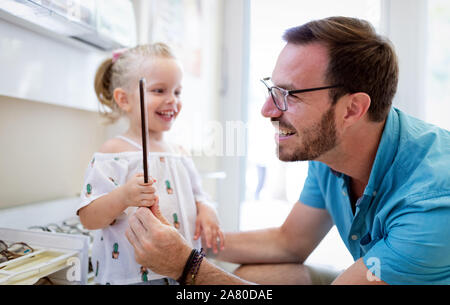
x=294, y=98
x=158, y=91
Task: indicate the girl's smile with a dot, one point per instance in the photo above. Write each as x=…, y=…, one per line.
x=167, y=115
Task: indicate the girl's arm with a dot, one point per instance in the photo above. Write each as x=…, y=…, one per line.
x=104, y=210
x=208, y=225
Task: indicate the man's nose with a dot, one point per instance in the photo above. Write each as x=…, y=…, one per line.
x=269, y=110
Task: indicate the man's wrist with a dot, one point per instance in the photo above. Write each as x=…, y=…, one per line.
x=183, y=275
x=191, y=267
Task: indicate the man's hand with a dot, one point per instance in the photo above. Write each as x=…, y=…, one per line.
x=157, y=244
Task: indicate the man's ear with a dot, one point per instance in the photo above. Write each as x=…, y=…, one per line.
x=357, y=105
x=121, y=99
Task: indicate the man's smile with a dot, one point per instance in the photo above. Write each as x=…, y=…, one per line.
x=283, y=130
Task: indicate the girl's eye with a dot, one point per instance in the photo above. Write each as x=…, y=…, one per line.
x=177, y=93
x=160, y=91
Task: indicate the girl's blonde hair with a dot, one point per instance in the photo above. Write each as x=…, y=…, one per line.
x=122, y=72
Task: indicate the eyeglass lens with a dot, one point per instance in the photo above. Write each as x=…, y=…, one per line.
x=3, y=246
x=278, y=97
x=13, y=251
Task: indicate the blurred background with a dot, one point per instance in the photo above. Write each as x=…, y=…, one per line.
x=49, y=122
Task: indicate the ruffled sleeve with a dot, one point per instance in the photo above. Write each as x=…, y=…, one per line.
x=104, y=173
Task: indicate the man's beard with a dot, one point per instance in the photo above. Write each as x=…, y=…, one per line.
x=316, y=140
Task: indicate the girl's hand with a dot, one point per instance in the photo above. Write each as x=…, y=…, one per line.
x=137, y=193
x=208, y=223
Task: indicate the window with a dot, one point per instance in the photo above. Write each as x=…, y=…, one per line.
x=438, y=64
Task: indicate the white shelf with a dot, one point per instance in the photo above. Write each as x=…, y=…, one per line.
x=54, y=252
x=28, y=269
x=33, y=72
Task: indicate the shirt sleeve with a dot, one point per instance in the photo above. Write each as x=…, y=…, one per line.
x=416, y=248
x=101, y=177
x=196, y=183
x=311, y=194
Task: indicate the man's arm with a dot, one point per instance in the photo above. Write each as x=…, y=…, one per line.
x=210, y=274
x=161, y=248
x=357, y=274
x=292, y=242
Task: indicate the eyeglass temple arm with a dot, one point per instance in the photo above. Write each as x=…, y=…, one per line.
x=312, y=89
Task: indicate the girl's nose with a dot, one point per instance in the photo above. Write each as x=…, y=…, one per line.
x=172, y=99
x=269, y=110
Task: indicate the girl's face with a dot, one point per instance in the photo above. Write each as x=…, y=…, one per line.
x=163, y=89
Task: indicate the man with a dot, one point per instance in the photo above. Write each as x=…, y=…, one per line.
x=382, y=177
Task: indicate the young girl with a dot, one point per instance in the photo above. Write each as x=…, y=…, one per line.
x=114, y=184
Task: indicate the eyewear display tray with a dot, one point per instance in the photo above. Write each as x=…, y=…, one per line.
x=29, y=268
x=61, y=257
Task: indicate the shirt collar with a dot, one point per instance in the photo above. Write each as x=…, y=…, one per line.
x=336, y=173
x=387, y=149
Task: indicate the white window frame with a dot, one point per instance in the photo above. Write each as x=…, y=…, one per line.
x=233, y=94
x=405, y=22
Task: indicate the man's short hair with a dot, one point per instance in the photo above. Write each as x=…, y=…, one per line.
x=359, y=59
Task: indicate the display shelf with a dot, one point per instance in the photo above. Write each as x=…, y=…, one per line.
x=62, y=257
x=28, y=269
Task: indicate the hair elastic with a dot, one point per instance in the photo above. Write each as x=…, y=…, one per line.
x=117, y=53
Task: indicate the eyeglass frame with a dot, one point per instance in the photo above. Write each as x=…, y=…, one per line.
x=8, y=255
x=290, y=92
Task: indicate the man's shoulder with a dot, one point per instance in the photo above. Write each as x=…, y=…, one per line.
x=421, y=135
x=418, y=178
x=423, y=157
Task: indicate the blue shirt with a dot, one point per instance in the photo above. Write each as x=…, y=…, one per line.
x=401, y=225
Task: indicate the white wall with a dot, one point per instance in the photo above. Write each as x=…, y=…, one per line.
x=49, y=125
x=45, y=150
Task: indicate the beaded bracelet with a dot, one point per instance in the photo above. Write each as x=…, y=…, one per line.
x=187, y=267
x=196, y=265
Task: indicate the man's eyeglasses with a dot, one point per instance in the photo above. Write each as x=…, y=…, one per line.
x=279, y=95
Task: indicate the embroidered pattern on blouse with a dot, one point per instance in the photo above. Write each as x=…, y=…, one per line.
x=176, y=224
x=168, y=188
x=115, y=253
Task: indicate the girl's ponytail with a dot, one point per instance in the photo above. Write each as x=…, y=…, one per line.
x=104, y=91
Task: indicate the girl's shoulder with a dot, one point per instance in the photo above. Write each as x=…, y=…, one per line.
x=179, y=149
x=168, y=148
x=116, y=145
x=182, y=150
